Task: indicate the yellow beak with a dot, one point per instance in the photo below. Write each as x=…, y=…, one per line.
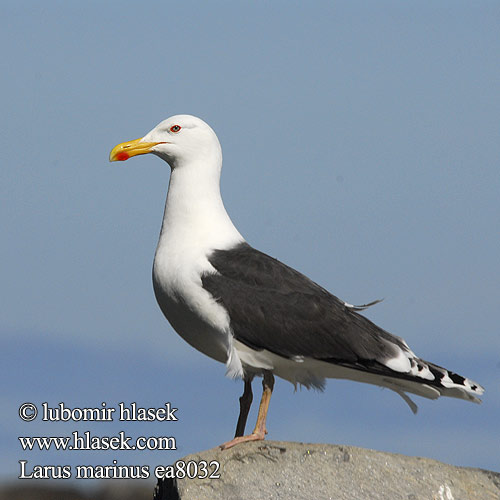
x=125, y=150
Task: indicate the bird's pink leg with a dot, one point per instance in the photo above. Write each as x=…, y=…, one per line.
x=259, y=433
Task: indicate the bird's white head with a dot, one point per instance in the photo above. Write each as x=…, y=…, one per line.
x=179, y=140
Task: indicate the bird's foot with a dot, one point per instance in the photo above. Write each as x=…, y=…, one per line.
x=255, y=436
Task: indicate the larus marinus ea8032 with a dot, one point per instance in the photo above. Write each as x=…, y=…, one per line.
x=250, y=311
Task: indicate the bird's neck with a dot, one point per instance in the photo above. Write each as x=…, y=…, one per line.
x=194, y=212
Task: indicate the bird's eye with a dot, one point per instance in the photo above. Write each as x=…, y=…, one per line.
x=175, y=128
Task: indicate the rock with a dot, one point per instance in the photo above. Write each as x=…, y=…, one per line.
x=274, y=470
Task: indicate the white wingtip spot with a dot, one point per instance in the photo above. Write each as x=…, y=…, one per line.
x=399, y=363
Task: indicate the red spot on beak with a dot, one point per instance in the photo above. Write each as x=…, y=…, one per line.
x=122, y=156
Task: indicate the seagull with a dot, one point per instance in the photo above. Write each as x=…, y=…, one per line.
x=250, y=311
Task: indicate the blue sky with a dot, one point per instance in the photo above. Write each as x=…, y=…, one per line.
x=361, y=146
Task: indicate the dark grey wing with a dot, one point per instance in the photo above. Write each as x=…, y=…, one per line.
x=274, y=307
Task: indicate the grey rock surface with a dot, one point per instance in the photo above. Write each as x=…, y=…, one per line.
x=282, y=470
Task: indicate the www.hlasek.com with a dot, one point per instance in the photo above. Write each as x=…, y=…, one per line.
x=85, y=441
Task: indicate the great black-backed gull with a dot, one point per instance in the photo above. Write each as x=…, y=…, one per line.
x=250, y=311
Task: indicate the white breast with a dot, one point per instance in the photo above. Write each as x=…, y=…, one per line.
x=190, y=309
